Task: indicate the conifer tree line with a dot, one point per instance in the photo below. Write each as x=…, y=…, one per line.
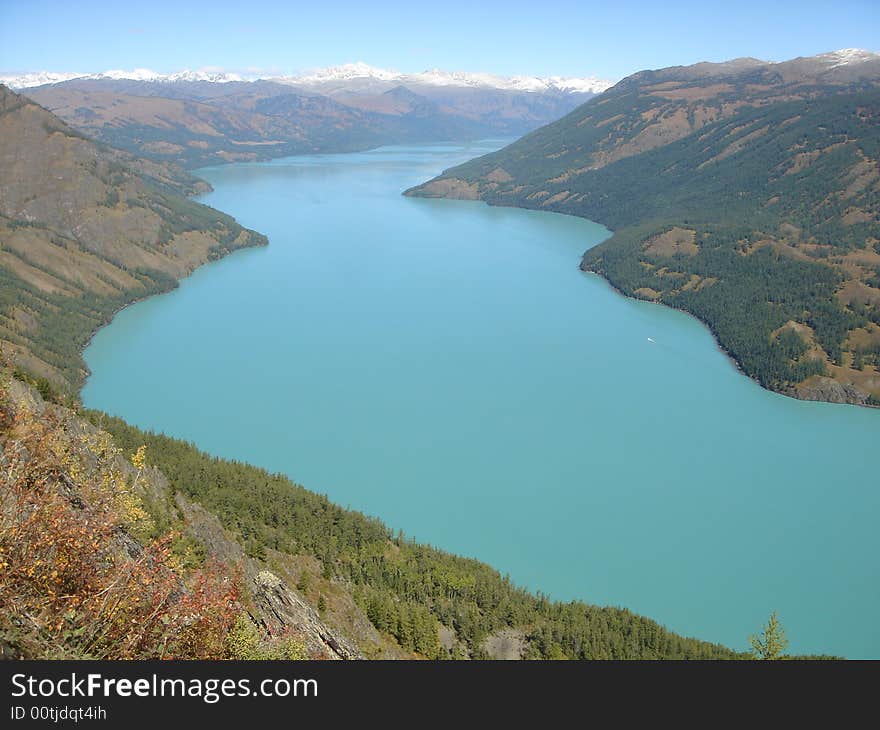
x=407, y=589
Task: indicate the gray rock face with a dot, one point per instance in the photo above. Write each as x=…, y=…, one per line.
x=826, y=389
x=505, y=644
x=275, y=603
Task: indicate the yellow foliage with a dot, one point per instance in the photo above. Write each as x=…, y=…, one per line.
x=139, y=458
x=245, y=642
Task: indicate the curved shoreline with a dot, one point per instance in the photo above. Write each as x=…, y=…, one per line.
x=415, y=192
x=115, y=312
x=718, y=344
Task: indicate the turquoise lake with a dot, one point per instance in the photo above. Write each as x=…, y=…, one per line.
x=445, y=366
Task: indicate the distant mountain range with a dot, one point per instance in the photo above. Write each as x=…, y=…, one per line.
x=360, y=73
x=196, y=118
x=344, y=75
x=745, y=192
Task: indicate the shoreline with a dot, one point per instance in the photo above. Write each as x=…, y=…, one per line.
x=719, y=345
x=790, y=393
x=109, y=321
x=77, y=392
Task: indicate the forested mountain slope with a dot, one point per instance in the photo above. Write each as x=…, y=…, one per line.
x=84, y=230
x=101, y=559
x=745, y=193
x=428, y=601
x=200, y=557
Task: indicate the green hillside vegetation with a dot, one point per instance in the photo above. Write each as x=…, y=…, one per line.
x=99, y=561
x=762, y=223
x=407, y=589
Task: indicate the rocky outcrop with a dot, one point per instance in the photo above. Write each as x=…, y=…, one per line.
x=275, y=605
x=507, y=644
x=825, y=389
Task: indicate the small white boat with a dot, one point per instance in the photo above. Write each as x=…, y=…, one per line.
x=651, y=339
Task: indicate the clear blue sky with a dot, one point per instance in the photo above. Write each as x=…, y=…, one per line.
x=567, y=37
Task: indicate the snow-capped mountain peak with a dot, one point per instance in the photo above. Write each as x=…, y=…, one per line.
x=36, y=78
x=848, y=56
x=361, y=71
x=333, y=76
x=437, y=77
x=345, y=72
x=138, y=74
x=39, y=78
x=363, y=75
x=583, y=85
x=212, y=75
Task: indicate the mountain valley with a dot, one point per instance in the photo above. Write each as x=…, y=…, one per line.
x=198, y=119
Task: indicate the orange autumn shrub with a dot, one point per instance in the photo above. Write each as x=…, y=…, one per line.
x=73, y=581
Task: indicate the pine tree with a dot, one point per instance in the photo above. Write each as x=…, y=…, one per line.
x=772, y=642
x=304, y=582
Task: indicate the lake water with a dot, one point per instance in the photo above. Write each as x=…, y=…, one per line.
x=445, y=366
